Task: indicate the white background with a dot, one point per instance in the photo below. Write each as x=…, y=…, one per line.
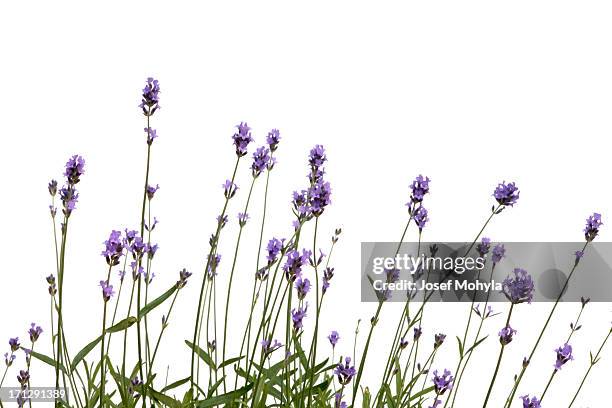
x=469, y=93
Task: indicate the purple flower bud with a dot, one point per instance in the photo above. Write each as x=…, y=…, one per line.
x=151, y=135
x=328, y=274
x=506, y=334
x=420, y=217
x=295, y=261
x=213, y=264
x=439, y=339
x=14, y=343
x=268, y=347
x=23, y=378
x=506, y=194
x=518, y=288
x=69, y=197
x=273, y=139
x=222, y=220
x=150, y=97
x=499, y=251
x=8, y=359
x=34, y=332
x=183, y=276
x=483, y=247
x=443, y=382
x=533, y=403
x=107, y=290
x=403, y=343
x=319, y=196
x=417, y=333
x=297, y=316
x=151, y=250
x=303, y=287
x=273, y=248
x=345, y=372
x=52, y=286
x=212, y=345
x=229, y=189
x=52, y=188
x=564, y=354
x=317, y=158
x=113, y=248
x=419, y=187
x=75, y=167
x=151, y=190
x=152, y=226
x=593, y=223
x=242, y=138
x=261, y=159
x=333, y=338
x=243, y=218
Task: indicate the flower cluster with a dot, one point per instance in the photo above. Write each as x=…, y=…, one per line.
x=150, y=97
x=52, y=284
x=313, y=201
x=113, y=248
x=273, y=139
x=75, y=167
x=499, y=251
x=302, y=286
x=328, y=274
x=297, y=316
x=506, y=334
x=242, y=138
x=294, y=263
x=506, y=194
x=107, y=290
x=35, y=331
x=593, y=223
x=333, y=338
x=261, y=160
x=183, y=276
x=564, y=354
x=345, y=372
x=483, y=246
x=442, y=382
x=518, y=288
x=530, y=403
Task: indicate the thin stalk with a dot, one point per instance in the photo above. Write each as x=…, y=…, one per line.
x=313, y=344
x=499, y=358
x=548, y=384
x=102, y=369
x=163, y=329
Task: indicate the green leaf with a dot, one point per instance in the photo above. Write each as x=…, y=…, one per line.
x=476, y=344
x=175, y=384
x=45, y=359
x=230, y=361
x=225, y=398
x=81, y=354
x=202, y=354
x=421, y=393
x=154, y=303
x=122, y=325
x=460, y=347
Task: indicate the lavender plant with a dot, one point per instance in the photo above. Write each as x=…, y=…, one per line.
x=280, y=361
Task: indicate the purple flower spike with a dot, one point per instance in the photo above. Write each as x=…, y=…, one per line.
x=303, y=287
x=151, y=135
x=34, y=332
x=295, y=261
x=52, y=187
x=213, y=264
x=183, y=276
x=328, y=274
x=403, y=343
x=443, y=382
x=592, y=227
x=269, y=346
x=533, y=403
x=151, y=190
x=107, y=290
x=317, y=158
x=23, y=378
x=420, y=217
x=345, y=372
x=417, y=333
x=69, y=196
x=483, y=247
x=420, y=188
x=75, y=167
x=273, y=139
x=273, y=248
x=439, y=339
x=320, y=196
x=297, y=316
x=222, y=221
x=113, y=248
x=229, y=189
x=261, y=159
x=52, y=285
x=242, y=219
x=9, y=359
x=499, y=251
x=14, y=343
x=150, y=97
x=506, y=334
x=333, y=338
x=242, y=138
x=506, y=194
x=564, y=354
x=518, y=288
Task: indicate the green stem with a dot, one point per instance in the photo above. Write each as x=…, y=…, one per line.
x=501, y=353
x=548, y=384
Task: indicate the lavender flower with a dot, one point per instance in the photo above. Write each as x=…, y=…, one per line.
x=222, y=220
x=420, y=217
x=212, y=345
x=183, y=276
x=113, y=248
x=592, y=227
x=150, y=97
x=269, y=346
x=439, y=339
x=317, y=158
x=506, y=334
x=418, y=331
x=151, y=135
x=242, y=219
x=261, y=159
x=564, y=354
x=319, y=196
x=134, y=383
x=262, y=273
x=213, y=264
x=242, y=138
x=229, y=189
x=328, y=274
x=69, y=197
x=75, y=167
x=9, y=359
x=152, y=226
x=297, y=316
x=273, y=139
x=52, y=286
x=533, y=403
x=403, y=343
x=345, y=372
x=295, y=261
x=303, y=287
x=301, y=206
x=419, y=187
x=338, y=403
x=151, y=190
x=23, y=378
x=52, y=187
x=483, y=247
x=442, y=383
x=519, y=288
x=137, y=270
x=506, y=194
x=34, y=332
x=151, y=249
x=499, y=251
x=333, y=338
x=274, y=247
x=14, y=343
x=107, y=290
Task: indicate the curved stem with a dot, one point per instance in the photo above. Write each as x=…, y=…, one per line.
x=501, y=353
